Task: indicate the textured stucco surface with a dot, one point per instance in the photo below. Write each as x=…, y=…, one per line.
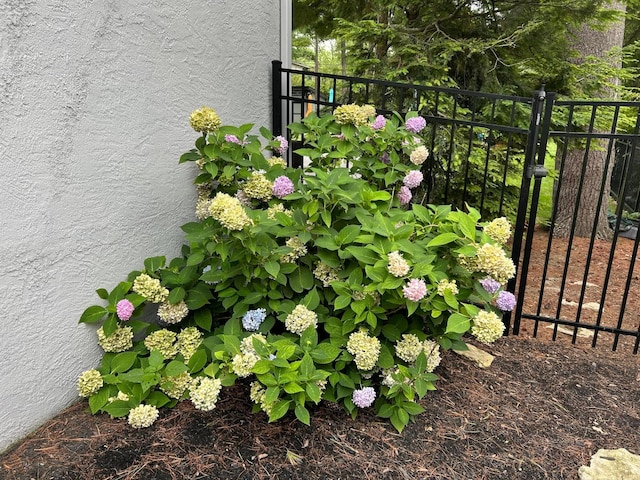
x=95, y=97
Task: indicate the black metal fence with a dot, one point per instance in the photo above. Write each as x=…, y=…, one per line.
x=493, y=152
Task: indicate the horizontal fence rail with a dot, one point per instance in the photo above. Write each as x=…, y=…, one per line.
x=504, y=155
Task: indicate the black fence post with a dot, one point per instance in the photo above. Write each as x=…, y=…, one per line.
x=518, y=234
x=276, y=97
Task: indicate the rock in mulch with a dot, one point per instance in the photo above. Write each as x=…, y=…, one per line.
x=617, y=464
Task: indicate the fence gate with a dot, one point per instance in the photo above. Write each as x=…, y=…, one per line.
x=578, y=275
x=542, y=162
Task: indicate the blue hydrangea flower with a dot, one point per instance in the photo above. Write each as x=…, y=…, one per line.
x=253, y=318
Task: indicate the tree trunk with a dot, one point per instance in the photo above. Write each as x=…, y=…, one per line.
x=597, y=43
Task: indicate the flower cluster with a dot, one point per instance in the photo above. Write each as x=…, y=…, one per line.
x=119, y=341
x=175, y=386
x=277, y=208
x=283, y=145
x=419, y=155
x=487, y=327
x=188, y=341
x=258, y=396
x=363, y=397
x=142, y=416
x=432, y=351
x=277, y=161
x=404, y=195
x=325, y=274
x=232, y=139
x=415, y=290
x=498, y=230
x=229, y=211
x=413, y=179
x=398, y=266
x=120, y=396
x=204, y=395
x=492, y=260
x=253, y=319
x=408, y=348
x=282, y=186
x=447, y=285
x=124, y=309
x=243, y=363
x=298, y=249
x=379, y=122
x=415, y=124
x=490, y=285
x=246, y=345
x=150, y=288
x=506, y=301
x=300, y=319
x=89, y=383
x=164, y=341
x=173, y=313
x=202, y=207
x=205, y=120
x=258, y=187
x=354, y=114
x=364, y=348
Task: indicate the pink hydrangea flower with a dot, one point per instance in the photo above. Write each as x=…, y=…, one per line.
x=124, y=309
x=415, y=290
x=415, y=124
x=413, y=179
x=363, y=397
x=506, y=301
x=283, y=145
x=282, y=186
x=232, y=139
x=404, y=195
x=379, y=123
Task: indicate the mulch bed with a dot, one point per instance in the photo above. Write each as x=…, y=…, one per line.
x=541, y=410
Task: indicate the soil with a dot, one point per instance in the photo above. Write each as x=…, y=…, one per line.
x=540, y=411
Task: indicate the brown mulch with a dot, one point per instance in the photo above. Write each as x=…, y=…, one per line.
x=539, y=412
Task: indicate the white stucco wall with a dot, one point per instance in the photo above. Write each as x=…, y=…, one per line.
x=94, y=102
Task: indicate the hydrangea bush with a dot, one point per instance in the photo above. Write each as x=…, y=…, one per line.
x=329, y=283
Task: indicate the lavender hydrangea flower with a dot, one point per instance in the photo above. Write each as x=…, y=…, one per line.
x=415, y=290
x=282, y=186
x=283, y=145
x=506, y=301
x=384, y=158
x=253, y=319
x=124, y=309
x=363, y=397
x=415, y=124
x=490, y=285
x=404, y=195
x=232, y=139
x=413, y=179
x=379, y=123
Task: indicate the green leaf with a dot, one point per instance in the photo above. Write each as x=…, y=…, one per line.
x=451, y=300
x=195, y=259
x=110, y=325
x=348, y=234
x=279, y=410
x=302, y=414
x=341, y=302
x=399, y=419
x=118, y=409
x=273, y=268
x=102, y=293
x=311, y=300
x=313, y=392
x=307, y=367
x=261, y=367
x=98, y=400
x=386, y=410
x=458, y=324
x=325, y=353
x=175, y=368
x=154, y=263
x=123, y=361
x=196, y=299
x=197, y=361
x=363, y=255
x=413, y=408
x=443, y=239
x=385, y=359
x=157, y=399
x=203, y=319
x=292, y=388
x=93, y=314
x=176, y=295
x=155, y=359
